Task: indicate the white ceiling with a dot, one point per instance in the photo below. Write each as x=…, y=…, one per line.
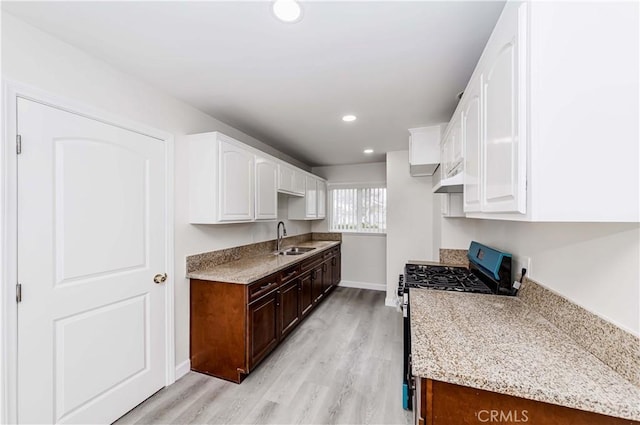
x=395, y=65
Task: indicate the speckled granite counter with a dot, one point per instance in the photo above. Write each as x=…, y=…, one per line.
x=250, y=269
x=500, y=344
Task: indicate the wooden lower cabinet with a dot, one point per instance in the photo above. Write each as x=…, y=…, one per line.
x=306, y=293
x=263, y=327
x=290, y=294
x=316, y=282
x=336, y=267
x=441, y=403
x=327, y=275
x=235, y=326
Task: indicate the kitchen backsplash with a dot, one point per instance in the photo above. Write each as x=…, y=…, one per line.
x=454, y=256
x=615, y=347
x=326, y=236
x=213, y=258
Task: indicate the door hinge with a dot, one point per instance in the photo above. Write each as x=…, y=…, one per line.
x=19, y=293
x=18, y=144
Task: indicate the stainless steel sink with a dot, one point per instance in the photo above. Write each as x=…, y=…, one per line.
x=296, y=250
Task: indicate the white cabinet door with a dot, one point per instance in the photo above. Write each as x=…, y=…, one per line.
x=447, y=154
x=503, y=172
x=455, y=146
x=266, y=192
x=322, y=198
x=285, y=178
x=471, y=136
x=311, y=198
x=236, y=184
x=299, y=183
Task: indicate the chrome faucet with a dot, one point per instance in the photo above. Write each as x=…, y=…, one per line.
x=278, y=237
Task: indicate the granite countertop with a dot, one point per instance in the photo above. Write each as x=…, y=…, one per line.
x=500, y=344
x=249, y=269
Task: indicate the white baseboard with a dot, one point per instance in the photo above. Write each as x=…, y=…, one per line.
x=363, y=285
x=391, y=302
x=183, y=368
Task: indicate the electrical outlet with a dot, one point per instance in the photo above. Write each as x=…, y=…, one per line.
x=518, y=263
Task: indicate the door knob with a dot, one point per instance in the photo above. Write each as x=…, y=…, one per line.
x=160, y=278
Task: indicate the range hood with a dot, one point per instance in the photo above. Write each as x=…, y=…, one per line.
x=452, y=184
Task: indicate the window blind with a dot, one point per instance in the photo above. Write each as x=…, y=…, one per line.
x=359, y=210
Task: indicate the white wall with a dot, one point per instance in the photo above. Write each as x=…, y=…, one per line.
x=409, y=218
x=35, y=58
x=363, y=256
x=595, y=265
x=450, y=232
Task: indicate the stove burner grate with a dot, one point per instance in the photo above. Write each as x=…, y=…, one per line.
x=444, y=278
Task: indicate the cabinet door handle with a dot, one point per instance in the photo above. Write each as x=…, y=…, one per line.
x=333, y=261
x=293, y=273
x=266, y=286
x=324, y=267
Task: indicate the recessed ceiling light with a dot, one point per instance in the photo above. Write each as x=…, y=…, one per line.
x=349, y=118
x=368, y=151
x=287, y=10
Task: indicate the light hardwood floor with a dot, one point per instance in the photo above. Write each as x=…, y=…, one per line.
x=342, y=365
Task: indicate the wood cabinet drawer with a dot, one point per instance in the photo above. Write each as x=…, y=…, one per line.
x=263, y=287
x=291, y=273
x=311, y=263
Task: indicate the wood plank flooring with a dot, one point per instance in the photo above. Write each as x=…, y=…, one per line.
x=342, y=365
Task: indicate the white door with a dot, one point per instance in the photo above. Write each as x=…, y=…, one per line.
x=266, y=192
x=471, y=134
x=91, y=237
x=236, y=183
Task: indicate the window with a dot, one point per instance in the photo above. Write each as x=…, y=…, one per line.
x=359, y=210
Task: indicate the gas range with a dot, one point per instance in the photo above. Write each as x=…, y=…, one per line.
x=489, y=272
x=444, y=278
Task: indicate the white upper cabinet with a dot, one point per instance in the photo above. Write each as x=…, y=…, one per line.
x=311, y=198
x=455, y=155
x=321, y=188
x=446, y=154
x=298, y=183
x=290, y=181
x=236, y=184
x=266, y=193
x=550, y=134
x=472, y=136
x=503, y=178
x=451, y=148
x=285, y=178
x=314, y=204
x=230, y=182
x=424, y=150
x=221, y=180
